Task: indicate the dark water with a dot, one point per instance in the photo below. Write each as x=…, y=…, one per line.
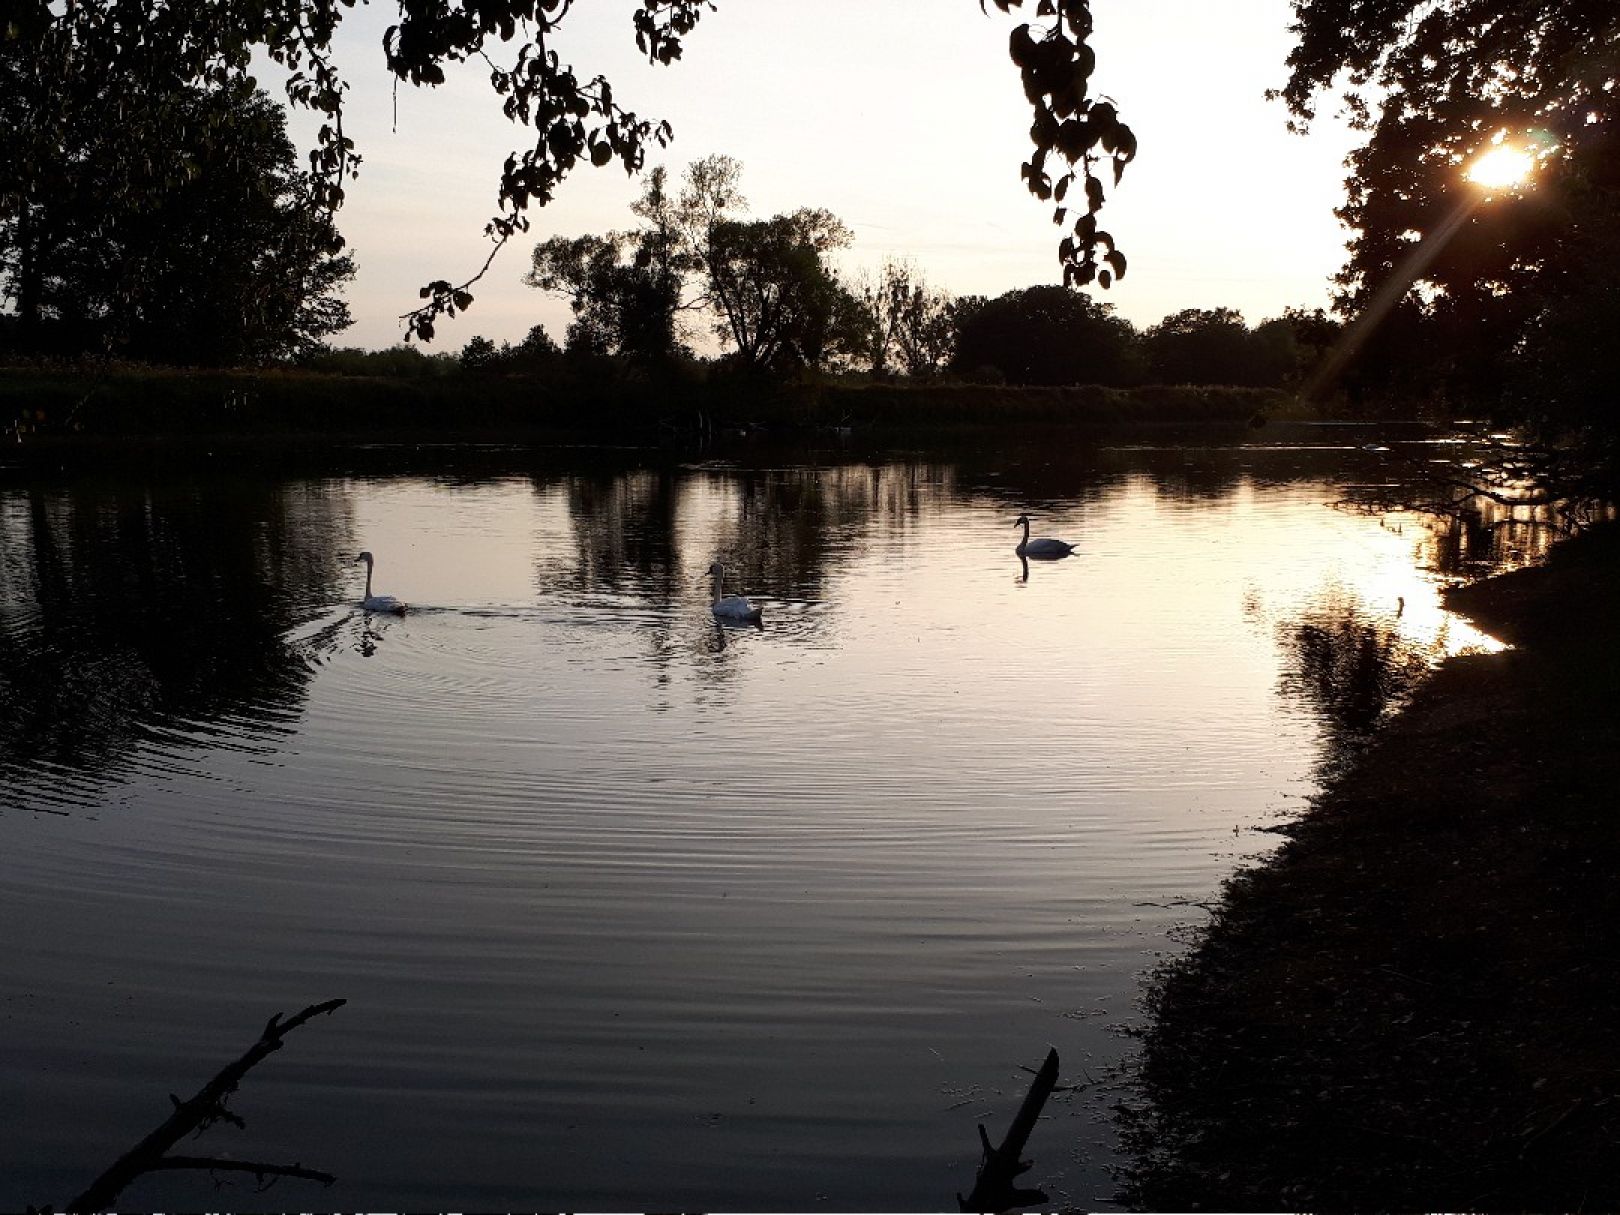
x=633, y=910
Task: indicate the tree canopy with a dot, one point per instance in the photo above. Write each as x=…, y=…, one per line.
x=217, y=264
x=763, y=286
x=1044, y=335
x=1202, y=345
x=909, y=324
x=1503, y=283
x=81, y=57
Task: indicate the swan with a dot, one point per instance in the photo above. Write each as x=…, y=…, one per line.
x=1039, y=548
x=729, y=607
x=378, y=603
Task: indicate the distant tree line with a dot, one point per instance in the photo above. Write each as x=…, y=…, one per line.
x=1036, y=336
x=767, y=296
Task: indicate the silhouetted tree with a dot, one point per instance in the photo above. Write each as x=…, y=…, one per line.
x=1506, y=286
x=478, y=354
x=399, y=361
x=535, y=355
x=780, y=305
x=1203, y=346
x=1314, y=333
x=909, y=323
x=222, y=265
x=764, y=285
x=1044, y=335
x=623, y=303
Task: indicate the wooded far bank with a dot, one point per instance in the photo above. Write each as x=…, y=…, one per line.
x=58, y=406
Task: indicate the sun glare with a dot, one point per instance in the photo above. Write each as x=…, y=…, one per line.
x=1501, y=167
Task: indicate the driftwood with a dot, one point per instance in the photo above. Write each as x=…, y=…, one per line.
x=993, y=1188
x=202, y=1110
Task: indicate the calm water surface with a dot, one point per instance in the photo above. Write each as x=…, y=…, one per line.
x=632, y=910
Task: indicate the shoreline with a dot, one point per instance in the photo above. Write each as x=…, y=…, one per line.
x=1410, y=1005
x=73, y=409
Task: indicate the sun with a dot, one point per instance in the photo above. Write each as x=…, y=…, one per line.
x=1501, y=167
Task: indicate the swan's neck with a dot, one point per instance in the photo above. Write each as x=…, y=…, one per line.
x=368, y=580
x=1025, y=523
x=719, y=579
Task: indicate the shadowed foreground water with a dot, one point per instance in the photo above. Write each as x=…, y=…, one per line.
x=633, y=910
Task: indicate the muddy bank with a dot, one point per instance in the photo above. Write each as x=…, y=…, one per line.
x=1413, y=1004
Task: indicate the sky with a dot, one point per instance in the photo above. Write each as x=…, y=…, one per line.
x=905, y=118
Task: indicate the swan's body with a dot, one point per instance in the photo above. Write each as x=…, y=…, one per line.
x=1041, y=547
x=729, y=607
x=378, y=603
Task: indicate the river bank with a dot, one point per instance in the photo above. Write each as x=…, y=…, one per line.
x=1411, y=1004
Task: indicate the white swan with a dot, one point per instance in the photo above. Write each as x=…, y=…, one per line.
x=1040, y=548
x=378, y=603
x=729, y=607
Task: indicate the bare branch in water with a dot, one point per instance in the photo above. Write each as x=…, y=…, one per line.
x=205, y=1108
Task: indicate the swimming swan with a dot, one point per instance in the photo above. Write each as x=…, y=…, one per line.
x=378, y=603
x=1039, y=548
x=730, y=607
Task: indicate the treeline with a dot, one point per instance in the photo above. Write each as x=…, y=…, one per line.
x=695, y=273
x=1042, y=336
x=762, y=299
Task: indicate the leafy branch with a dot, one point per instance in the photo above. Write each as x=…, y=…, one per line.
x=1057, y=63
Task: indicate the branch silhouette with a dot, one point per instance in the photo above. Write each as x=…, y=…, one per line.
x=197, y=1113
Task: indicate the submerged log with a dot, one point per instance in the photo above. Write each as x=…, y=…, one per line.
x=993, y=1188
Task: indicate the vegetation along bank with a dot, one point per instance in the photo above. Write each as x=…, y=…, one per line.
x=74, y=405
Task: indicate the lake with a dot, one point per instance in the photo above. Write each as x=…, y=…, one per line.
x=631, y=909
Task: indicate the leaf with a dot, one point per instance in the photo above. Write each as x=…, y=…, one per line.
x=1022, y=47
x=1094, y=193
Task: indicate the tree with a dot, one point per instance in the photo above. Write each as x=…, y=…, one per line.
x=219, y=266
x=1203, y=346
x=82, y=55
x=1502, y=277
x=1044, y=335
x=764, y=285
x=1289, y=348
x=478, y=355
x=624, y=300
x=908, y=321
x=779, y=304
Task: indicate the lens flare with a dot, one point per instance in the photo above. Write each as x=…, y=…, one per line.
x=1501, y=167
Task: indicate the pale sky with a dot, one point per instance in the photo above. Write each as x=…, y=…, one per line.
x=906, y=119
